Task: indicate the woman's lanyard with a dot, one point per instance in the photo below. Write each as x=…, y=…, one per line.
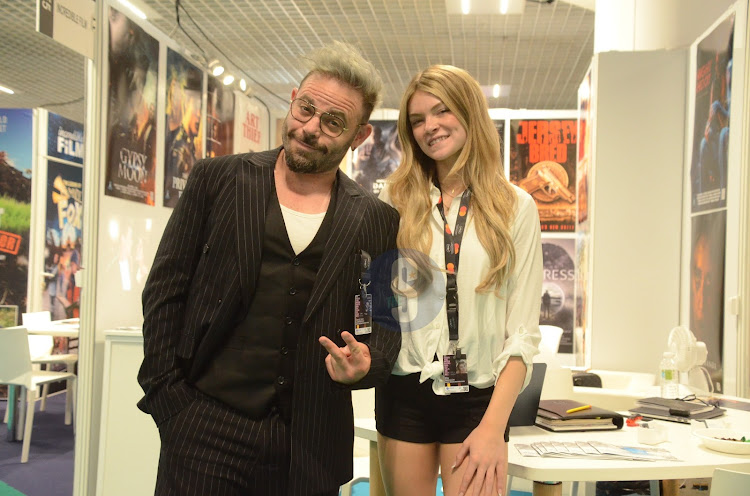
x=454, y=363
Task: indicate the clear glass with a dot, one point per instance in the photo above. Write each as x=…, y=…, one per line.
x=330, y=124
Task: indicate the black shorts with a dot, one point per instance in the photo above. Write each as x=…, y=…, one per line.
x=409, y=411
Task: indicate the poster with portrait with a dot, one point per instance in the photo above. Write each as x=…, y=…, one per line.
x=64, y=138
x=182, y=143
x=219, y=119
x=558, y=288
x=16, y=152
x=62, y=240
x=707, y=248
x=377, y=157
x=584, y=155
x=710, y=138
x=544, y=165
x=131, y=118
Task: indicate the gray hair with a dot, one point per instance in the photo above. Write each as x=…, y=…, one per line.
x=345, y=63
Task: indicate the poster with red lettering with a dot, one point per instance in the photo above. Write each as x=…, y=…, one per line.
x=558, y=288
x=545, y=167
x=182, y=145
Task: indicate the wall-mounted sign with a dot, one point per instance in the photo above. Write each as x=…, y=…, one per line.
x=69, y=22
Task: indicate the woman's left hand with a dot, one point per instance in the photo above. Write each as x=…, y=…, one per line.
x=485, y=453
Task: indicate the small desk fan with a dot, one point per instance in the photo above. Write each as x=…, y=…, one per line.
x=689, y=353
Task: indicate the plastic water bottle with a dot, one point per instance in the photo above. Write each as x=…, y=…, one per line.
x=669, y=376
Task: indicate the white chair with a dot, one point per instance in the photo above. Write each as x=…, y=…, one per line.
x=16, y=370
x=41, y=346
x=729, y=483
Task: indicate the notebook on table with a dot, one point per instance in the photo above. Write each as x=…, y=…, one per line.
x=571, y=415
x=527, y=403
x=675, y=410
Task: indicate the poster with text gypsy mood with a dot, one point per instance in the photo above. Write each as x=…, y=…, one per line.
x=16, y=138
x=558, y=288
x=544, y=165
x=63, y=240
x=377, y=157
x=713, y=96
x=131, y=132
x=182, y=146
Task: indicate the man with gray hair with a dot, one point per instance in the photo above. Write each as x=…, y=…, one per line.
x=257, y=317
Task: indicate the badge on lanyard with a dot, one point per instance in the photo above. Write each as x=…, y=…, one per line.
x=456, y=373
x=363, y=300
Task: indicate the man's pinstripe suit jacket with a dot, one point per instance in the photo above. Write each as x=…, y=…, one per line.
x=204, y=277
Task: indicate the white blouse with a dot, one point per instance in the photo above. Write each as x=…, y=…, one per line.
x=491, y=329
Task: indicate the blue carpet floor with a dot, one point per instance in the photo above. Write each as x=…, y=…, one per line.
x=49, y=471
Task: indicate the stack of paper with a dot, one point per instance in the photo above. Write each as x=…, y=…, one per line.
x=594, y=450
x=569, y=415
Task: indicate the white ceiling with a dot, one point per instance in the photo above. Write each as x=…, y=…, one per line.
x=542, y=54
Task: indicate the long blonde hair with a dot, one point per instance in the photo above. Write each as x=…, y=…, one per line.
x=479, y=165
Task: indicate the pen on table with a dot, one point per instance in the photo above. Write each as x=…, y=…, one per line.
x=578, y=409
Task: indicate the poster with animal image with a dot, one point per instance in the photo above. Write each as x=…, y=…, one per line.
x=131, y=133
x=182, y=146
x=544, y=165
x=16, y=147
x=558, y=302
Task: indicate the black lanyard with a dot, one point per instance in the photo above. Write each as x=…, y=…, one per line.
x=452, y=245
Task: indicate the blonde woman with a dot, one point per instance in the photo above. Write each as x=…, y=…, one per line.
x=482, y=236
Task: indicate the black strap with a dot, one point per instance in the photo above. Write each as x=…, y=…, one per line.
x=452, y=245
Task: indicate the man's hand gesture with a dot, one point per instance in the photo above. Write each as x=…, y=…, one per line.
x=348, y=364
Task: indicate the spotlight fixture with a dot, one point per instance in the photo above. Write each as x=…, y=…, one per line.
x=135, y=10
x=496, y=91
x=216, y=68
x=7, y=90
x=243, y=85
x=228, y=79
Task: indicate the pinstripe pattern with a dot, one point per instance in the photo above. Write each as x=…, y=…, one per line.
x=202, y=280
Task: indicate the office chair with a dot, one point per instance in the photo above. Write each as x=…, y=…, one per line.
x=729, y=483
x=16, y=370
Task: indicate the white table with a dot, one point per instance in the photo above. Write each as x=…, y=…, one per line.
x=697, y=461
x=68, y=328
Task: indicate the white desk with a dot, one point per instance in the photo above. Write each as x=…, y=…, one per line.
x=697, y=461
x=68, y=328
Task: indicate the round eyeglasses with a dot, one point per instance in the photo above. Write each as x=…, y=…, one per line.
x=330, y=125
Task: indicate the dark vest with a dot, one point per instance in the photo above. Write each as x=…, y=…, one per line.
x=254, y=370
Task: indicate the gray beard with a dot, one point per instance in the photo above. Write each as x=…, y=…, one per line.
x=302, y=165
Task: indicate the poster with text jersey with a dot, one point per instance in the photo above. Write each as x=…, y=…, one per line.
x=545, y=166
x=64, y=138
x=558, y=288
x=182, y=145
x=63, y=240
x=377, y=157
x=131, y=119
x=16, y=155
x=219, y=119
x=710, y=139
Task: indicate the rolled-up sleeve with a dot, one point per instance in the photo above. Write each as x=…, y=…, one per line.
x=524, y=289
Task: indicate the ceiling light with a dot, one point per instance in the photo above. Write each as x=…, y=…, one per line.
x=243, y=85
x=6, y=90
x=216, y=68
x=486, y=7
x=228, y=79
x=465, y=6
x=496, y=91
x=503, y=10
x=135, y=10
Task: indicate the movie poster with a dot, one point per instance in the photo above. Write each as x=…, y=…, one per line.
x=251, y=126
x=584, y=158
x=131, y=132
x=377, y=157
x=558, y=288
x=219, y=119
x=582, y=332
x=545, y=166
x=62, y=239
x=64, y=138
x=182, y=144
x=707, y=250
x=713, y=96
x=16, y=152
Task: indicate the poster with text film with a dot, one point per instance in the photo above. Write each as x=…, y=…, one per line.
x=543, y=163
x=64, y=138
x=131, y=118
